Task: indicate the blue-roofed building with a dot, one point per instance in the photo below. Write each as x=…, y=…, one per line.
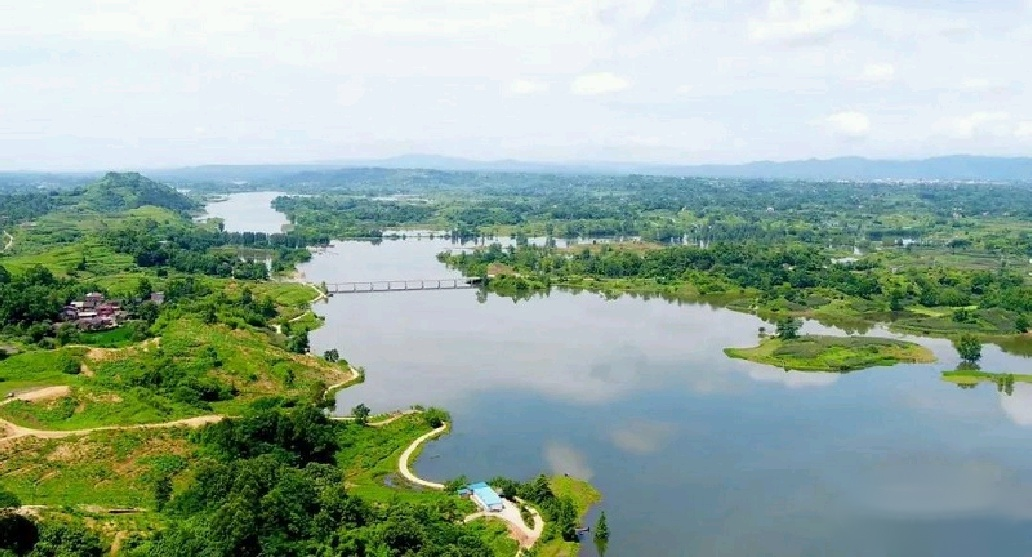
x=484, y=496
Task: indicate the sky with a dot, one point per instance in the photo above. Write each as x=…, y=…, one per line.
x=93, y=84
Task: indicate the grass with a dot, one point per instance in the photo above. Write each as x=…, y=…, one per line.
x=584, y=496
x=118, y=337
x=39, y=368
x=372, y=454
x=833, y=354
x=496, y=534
x=103, y=395
x=62, y=260
x=111, y=469
x=974, y=377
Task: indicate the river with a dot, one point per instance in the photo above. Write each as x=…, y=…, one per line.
x=696, y=454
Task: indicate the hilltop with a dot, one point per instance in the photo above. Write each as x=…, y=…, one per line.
x=119, y=191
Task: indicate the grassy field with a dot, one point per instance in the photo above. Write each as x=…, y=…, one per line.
x=584, y=495
x=834, y=354
x=119, y=337
x=112, y=469
x=117, y=386
x=372, y=455
x=41, y=368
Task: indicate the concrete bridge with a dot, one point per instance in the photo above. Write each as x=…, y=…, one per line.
x=377, y=286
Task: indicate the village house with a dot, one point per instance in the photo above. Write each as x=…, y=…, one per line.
x=94, y=312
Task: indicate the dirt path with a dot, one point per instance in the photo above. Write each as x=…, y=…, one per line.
x=13, y=431
x=10, y=430
x=524, y=535
x=45, y=393
x=403, y=462
x=391, y=419
x=8, y=242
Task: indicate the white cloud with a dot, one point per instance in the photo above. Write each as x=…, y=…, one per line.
x=878, y=72
x=350, y=92
x=849, y=124
x=527, y=87
x=976, y=123
x=792, y=379
x=441, y=75
x=642, y=436
x=976, y=84
x=564, y=459
x=1018, y=405
x=599, y=83
x=791, y=21
x=1024, y=130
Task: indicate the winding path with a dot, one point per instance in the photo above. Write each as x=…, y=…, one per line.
x=524, y=535
x=390, y=419
x=8, y=243
x=518, y=529
x=14, y=431
x=403, y=462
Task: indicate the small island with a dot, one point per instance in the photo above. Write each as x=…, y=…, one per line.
x=833, y=354
x=967, y=378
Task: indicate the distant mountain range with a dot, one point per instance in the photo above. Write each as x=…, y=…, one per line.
x=959, y=167
x=953, y=168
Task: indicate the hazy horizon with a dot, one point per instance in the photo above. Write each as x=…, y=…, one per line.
x=90, y=85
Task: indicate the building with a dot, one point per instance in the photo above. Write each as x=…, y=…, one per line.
x=94, y=312
x=484, y=496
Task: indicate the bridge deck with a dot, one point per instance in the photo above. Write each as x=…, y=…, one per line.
x=371, y=286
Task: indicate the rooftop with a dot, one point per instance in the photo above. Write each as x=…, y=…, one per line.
x=486, y=494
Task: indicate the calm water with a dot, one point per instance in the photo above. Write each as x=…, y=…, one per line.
x=248, y=212
x=696, y=454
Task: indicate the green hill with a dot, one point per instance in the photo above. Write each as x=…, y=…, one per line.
x=120, y=191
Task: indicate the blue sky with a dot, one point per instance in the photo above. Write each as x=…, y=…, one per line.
x=90, y=84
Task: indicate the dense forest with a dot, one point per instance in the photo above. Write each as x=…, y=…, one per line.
x=272, y=484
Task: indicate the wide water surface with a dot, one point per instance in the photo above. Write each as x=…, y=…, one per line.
x=695, y=453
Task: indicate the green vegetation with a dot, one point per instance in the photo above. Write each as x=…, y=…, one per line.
x=273, y=483
x=970, y=376
x=275, y=476
x=833, y=354
x=969, y=348
x=195, y=369
x=109, y=469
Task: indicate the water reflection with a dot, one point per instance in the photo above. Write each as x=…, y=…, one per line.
x=696, y=454
x=1018, y=404
x=792, y=379
x=642, y=436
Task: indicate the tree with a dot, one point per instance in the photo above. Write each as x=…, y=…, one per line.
x=788, y=328
x=162, y=492
x=144, y=289
x=963, y=315
x=8, y=500
x=896, y=300
x=361, y=414
x=1021, y=324
x=969, y=348
x=298, y=344
x=601, y=528
x=58, y=539
x=331, y=355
